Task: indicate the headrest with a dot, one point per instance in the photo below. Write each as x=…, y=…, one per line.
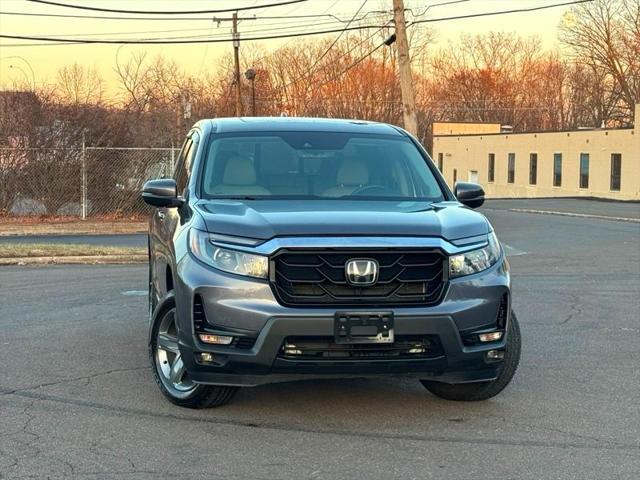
x=278, y=159
x=239, y=171
x=352, y=171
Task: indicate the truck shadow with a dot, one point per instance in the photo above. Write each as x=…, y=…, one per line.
x=387, y=403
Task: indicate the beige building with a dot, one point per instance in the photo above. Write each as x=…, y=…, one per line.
x=464, y=128
x=601, y=163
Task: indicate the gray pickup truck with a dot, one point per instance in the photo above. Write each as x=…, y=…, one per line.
x=290, y=248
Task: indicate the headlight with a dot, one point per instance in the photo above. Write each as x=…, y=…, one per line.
x=227, y=260
x=476, y=260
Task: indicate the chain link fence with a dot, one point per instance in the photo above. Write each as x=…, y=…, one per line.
x=89, y=182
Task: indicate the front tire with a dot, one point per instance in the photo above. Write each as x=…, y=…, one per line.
x=473, y=392
x=168, y=367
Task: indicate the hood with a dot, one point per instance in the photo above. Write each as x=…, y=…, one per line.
x=265, y=219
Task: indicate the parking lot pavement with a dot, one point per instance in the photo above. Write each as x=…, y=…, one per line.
x=580, y=206
x=77, y=398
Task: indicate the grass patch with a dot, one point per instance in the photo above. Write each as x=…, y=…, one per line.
x=69, y=226
x=23, y=250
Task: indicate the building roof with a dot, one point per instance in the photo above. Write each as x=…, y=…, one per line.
x=465, y=128
x=300, y=124
x=537, y=132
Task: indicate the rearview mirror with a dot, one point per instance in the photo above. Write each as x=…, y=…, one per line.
x=162, y=192
x=469, y=194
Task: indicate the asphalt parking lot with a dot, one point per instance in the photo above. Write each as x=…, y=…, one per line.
x=77, y=399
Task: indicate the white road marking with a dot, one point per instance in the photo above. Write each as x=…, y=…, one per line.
x=579, y=215
x=135, y=293
x=511, y=251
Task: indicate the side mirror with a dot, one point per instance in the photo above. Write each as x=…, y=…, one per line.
x=469, y=194
x=162, y=192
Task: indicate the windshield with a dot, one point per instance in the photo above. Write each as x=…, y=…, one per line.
x=317, y=165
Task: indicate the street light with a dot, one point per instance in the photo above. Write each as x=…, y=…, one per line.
x=251, y=76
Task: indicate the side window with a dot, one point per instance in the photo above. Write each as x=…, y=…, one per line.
x=185, y=161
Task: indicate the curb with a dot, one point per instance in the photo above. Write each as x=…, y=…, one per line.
x=579, y=215
x=76, y=260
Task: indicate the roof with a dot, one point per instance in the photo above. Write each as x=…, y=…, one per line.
x=300, y=124
x=536, y=132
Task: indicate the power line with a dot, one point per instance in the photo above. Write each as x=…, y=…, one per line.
x=164, y=12
x=160, y=41
x=428, y=7
x=271, y=37
x=191, y=19
x=338, y=38
x=502, y=12
x=354, y=64
x=361, y=59
x=292, y=82
x=324, y=54
x=270, y=29
x=272, y=53
x=262, y=17
x=332, y=15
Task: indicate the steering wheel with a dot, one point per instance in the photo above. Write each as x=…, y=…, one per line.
x=369, y=189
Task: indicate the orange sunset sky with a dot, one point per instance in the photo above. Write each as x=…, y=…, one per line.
x=45, y=59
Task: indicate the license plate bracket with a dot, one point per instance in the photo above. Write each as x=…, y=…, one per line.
x=363, y=327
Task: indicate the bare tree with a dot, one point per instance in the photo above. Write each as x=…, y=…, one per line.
x=604, y=35
x=80, y=85
x=132, y=75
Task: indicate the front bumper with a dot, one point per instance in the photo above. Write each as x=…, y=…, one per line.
x=243, y=307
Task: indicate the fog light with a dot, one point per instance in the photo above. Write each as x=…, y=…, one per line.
x=290, y=349
x=490, y=337
x=205, y=357
x=217, y=339
x=495, y=354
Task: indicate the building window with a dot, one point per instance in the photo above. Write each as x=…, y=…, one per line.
x=584, y=170
x=455, y=175
x=533, y=168
x=511, y=168
x=616, y=167
x=491, y=173
x=440, y=161
x=557, y=169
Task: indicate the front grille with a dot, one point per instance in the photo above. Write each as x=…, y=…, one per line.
x=325, y=348
x=317, y=277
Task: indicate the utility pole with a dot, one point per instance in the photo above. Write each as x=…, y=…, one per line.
x=404, y=65
x=236, y=60
x=251, y=76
